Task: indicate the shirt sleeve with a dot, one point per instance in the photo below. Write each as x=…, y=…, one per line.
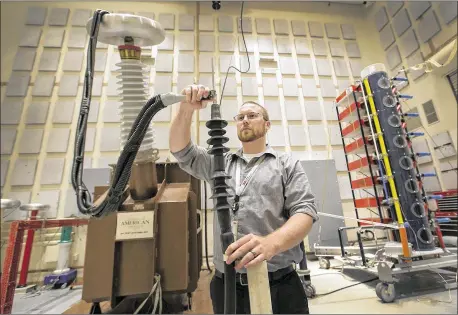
x=299, y=197
x=195, y=161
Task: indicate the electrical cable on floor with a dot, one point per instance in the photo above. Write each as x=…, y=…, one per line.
x=346, y=287
x=434, y=300
x=333, y=273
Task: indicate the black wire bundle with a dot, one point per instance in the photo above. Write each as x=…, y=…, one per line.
x=114, y=199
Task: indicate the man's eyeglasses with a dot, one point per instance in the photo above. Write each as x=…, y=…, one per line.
x=250, y=116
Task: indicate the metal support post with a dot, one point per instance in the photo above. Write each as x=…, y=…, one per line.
x=10, y=267
x=27, y=253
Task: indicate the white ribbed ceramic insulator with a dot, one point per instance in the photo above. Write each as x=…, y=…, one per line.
x=134, y=94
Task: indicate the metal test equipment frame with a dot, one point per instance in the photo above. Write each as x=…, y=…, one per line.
x=384, y=177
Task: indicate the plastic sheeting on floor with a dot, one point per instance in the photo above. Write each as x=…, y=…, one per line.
x=54, y=301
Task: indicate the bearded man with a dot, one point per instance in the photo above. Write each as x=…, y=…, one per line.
x=273, y=206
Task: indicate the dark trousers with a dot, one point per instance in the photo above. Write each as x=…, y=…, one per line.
x=287, y=296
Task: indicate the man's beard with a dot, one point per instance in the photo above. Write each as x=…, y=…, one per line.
x=249, y=135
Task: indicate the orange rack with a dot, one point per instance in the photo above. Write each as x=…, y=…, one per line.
x=359, y=149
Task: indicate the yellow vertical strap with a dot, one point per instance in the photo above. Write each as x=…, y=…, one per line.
x=384, y=153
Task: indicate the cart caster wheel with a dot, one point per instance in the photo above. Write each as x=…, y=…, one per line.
x=378, y=290
x=310, y=291
x=386, y=292
x=325, y=263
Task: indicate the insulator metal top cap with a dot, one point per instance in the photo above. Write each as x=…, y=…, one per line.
x=9, y=204
x=115, y=27
x=34, y=206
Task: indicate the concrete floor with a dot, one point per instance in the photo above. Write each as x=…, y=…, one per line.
x=46, y=302
x=422, y=293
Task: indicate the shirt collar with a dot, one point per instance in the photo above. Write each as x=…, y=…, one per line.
x=269, y=150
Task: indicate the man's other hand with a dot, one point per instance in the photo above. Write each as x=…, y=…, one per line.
x=251, y=249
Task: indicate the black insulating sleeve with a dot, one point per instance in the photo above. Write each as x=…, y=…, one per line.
x=220, y=195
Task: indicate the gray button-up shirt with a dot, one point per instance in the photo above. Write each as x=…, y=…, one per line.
x=278, y=189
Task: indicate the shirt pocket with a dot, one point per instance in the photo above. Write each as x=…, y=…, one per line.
x=271, y=196
x=271, y=185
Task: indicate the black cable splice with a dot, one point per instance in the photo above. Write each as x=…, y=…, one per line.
x=220, y=195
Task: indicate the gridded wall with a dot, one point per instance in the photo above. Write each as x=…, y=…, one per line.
x=408, y=31
x=313, y=60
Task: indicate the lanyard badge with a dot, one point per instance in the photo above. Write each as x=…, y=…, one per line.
x=240, y=187
x=234, y=225
x=235, y=205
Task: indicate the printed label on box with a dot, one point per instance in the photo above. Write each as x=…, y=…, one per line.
x=135, y=225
